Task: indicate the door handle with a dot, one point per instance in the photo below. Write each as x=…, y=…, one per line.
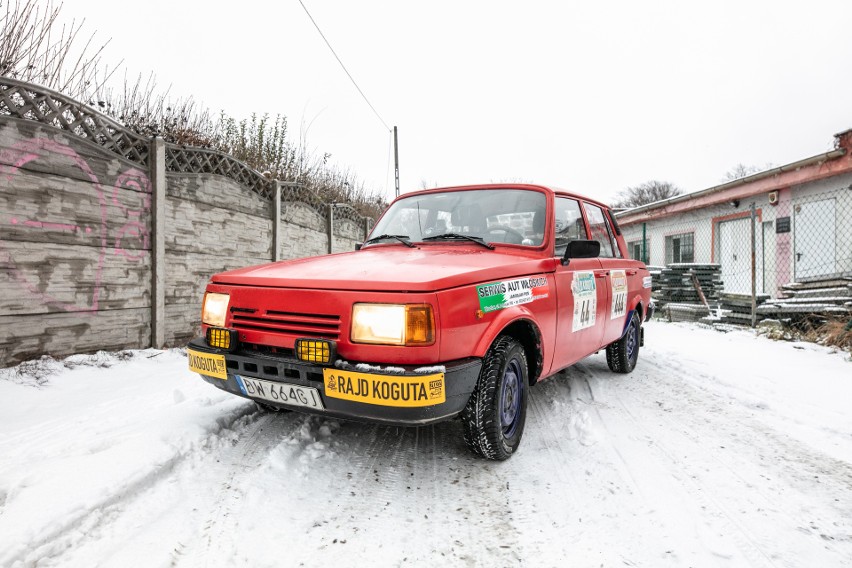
x=631, y=272
x=601, y=274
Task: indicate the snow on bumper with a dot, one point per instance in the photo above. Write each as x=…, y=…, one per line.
x=390, y=395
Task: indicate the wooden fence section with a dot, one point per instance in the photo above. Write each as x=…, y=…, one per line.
x=107, y=240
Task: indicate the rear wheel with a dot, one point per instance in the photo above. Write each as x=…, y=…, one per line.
x=495, y=414
x=622, y=355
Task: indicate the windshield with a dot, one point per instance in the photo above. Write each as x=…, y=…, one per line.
x=513, y=216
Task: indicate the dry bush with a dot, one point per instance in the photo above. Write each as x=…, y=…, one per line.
x=834, y=333
x=34, y=47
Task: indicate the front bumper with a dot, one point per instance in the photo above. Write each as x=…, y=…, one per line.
x=460, y=378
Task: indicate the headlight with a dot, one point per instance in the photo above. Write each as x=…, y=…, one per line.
x=393, y=324
x=214, y=309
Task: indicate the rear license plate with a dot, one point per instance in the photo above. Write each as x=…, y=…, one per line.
x=284, y=393
x=385, y=390
x=207, y=364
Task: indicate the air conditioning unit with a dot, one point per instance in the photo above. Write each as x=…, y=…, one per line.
x=773, y=198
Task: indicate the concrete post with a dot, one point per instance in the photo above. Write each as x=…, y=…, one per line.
x=330, y=227
x=157, y=176
x=276, y=222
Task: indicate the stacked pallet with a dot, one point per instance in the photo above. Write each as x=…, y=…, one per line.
x=677, y=285
x=736, y=308
x=825, y=298
x=679, y=294
x=675, y=311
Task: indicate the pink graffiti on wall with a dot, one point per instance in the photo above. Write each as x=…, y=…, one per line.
x=131, y=219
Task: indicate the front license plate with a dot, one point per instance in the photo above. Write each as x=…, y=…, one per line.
x=207, y=364
x=385, y=390
x=294, y=395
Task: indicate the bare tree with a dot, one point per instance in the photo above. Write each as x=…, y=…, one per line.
x=741, y=170
x=36, y=47
x=32, y=49
x=645, y=193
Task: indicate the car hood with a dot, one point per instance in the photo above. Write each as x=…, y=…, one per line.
x=394, y=268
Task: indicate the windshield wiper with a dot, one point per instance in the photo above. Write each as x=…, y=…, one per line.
x=401, y=238
x=459, y=236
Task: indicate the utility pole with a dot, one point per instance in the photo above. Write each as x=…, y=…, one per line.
x=396, y=160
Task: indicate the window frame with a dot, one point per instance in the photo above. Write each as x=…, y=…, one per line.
x=613, y=243
x=669, y=247
x=559, y=248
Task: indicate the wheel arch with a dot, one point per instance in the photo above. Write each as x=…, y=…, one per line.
x=526, y=332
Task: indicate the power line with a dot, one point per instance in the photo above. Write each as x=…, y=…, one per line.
x=344, y=66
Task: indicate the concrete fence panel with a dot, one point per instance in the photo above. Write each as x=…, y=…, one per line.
x=107, y=239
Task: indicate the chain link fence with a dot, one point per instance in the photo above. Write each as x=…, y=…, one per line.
x=785, y=255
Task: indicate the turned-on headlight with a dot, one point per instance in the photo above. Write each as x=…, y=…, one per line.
x=393, y=324
x=214, y=309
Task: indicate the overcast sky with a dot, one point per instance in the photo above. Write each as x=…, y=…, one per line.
x=587, y=96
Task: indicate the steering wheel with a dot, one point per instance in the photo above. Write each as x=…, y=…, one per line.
x=511, y=235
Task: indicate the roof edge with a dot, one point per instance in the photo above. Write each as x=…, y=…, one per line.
x=793, y=166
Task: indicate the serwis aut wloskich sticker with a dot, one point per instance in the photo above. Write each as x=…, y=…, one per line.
x=501, y=295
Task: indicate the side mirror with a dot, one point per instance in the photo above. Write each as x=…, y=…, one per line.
x=581, y=249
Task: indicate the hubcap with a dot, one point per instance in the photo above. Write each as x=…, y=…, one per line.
x=510, y=398
x=632, y=341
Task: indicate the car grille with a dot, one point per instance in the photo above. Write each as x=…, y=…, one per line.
x=295, y=324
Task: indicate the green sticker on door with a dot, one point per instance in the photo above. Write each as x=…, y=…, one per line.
x=501, y=295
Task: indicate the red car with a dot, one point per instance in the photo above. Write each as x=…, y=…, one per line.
x=461, y=300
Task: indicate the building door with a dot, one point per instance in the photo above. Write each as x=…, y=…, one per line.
x=814, y=237
x=735, y=255
x=769, y=260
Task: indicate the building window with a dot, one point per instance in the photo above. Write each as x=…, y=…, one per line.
x=679, y=248
x=635, y=250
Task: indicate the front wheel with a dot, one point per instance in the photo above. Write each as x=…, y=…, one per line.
x=495, y=414
x=622, y=355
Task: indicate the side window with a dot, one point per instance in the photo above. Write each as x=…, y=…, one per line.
x=569, y=223
x=601, y=231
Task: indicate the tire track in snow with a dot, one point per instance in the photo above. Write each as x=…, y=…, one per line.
x=689, y=481
x=707, y=478
x=817, y=464
x=600, y=498
x=787, y=468
x=250, y=451
x=81, y=526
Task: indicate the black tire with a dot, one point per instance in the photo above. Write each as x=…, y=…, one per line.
x=622, y=355
x=496, y=411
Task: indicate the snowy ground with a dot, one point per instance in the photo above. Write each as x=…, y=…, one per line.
x=719, y=450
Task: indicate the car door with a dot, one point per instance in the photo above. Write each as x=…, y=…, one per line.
x=582, y=291
x=613, y=271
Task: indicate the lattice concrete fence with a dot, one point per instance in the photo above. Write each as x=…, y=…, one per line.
x=107, y=239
